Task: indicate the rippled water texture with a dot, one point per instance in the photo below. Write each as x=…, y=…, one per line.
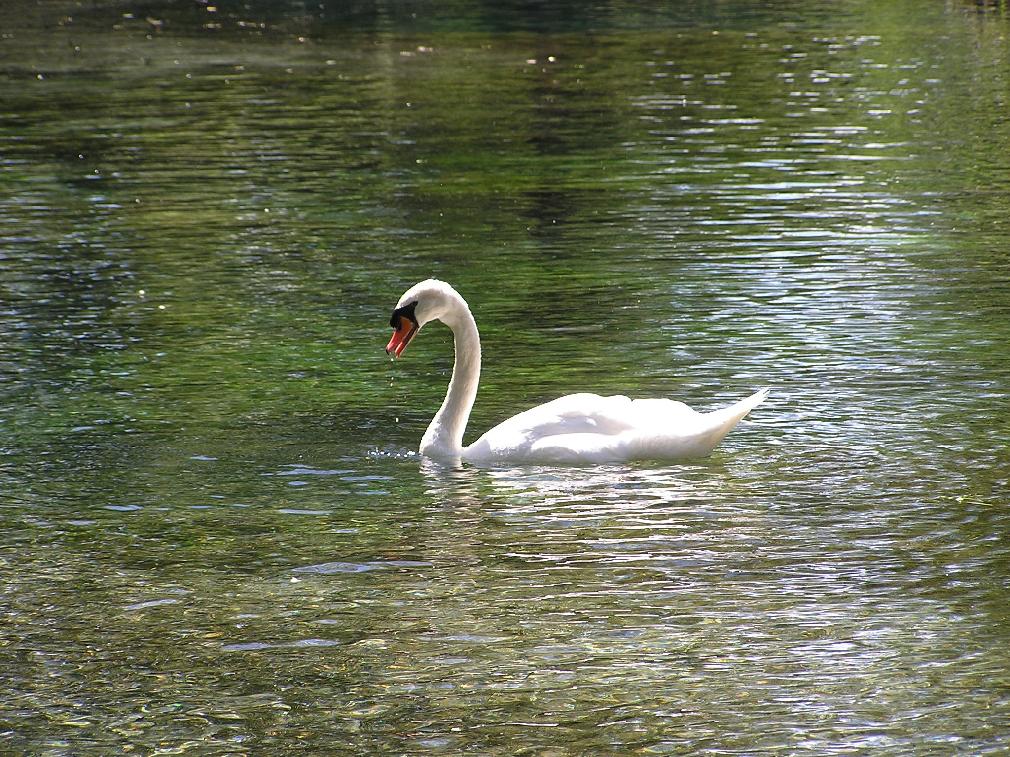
x=214, y=535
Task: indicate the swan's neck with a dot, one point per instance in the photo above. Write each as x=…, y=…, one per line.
x=444, y=437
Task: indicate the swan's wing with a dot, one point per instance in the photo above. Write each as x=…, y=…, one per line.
x=591, y=428
x=578, y=419
x=571, y=414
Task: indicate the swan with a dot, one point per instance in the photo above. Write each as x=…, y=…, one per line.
x=576, y=428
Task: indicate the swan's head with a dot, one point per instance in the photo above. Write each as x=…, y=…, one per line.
x=427, y=301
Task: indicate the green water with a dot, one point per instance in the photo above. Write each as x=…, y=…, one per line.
x=214, y=535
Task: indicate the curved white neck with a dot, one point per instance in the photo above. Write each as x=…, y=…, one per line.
x=444, y=437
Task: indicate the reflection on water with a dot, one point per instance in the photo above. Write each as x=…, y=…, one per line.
x=215, y=532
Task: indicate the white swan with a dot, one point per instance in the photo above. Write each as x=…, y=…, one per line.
x=577, y=428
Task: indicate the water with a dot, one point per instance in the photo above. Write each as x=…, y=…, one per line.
x=214, y=536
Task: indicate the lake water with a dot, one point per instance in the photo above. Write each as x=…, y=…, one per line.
x=214, y=535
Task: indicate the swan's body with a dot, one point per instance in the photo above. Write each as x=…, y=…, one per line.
x=576, y=428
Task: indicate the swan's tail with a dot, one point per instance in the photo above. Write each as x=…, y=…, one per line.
x=692, y=434
x=705, y=433
x=721, y=422
x=740, y=409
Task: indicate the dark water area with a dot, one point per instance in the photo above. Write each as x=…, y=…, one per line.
x=215, y=535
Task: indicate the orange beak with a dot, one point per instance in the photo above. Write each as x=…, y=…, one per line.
x=401, y=336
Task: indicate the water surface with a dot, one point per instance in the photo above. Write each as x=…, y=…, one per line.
x=214, y=535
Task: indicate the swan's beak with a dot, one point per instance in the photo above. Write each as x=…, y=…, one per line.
x=404, y=332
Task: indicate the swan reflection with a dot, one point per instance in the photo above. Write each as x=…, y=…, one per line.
x=595, y=489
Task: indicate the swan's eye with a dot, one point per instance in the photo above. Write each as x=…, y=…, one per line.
x=406, y=310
